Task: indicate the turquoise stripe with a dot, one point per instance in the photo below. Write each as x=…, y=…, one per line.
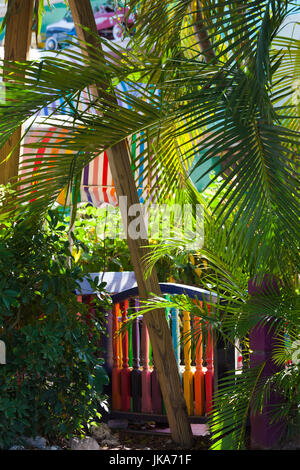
x=141, y=168
x=176, y=334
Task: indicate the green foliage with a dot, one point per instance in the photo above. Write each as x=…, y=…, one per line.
x=232, y=96
x=52, y=382
x=95, y=250
x=238, y=108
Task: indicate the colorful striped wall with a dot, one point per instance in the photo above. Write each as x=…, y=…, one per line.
x=97, y=186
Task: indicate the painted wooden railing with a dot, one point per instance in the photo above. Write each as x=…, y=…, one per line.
x=135, y=389
x=135, y=379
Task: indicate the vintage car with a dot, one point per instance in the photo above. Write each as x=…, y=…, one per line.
x=110, y=24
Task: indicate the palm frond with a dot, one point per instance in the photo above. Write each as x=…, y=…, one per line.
x=231, y=408
x=222, y=109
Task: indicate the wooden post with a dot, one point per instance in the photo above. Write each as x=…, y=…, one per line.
x=119, y=161
x=16, y=47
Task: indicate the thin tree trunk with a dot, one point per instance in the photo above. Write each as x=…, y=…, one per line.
x=16, y=47
x=119, y=160
x=204, y=40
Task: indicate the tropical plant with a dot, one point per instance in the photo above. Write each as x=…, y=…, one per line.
x=236, y=107
x=52, y=383
x=207, y=78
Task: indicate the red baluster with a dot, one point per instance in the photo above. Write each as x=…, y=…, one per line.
x=146, y=374
x=199, y=373
x=125, y=372
x=116, y=370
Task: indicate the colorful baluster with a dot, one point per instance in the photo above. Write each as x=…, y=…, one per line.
x=130, y=354
x=120, y=337
x=146, y=373
x=199, y=373
x=176, y=335
x=168, y=317
x=150, y=355
x=187, y=374
x=116, y=370
x=209, y=376
x=136, y=373
x=130, y=351
x=125, y=371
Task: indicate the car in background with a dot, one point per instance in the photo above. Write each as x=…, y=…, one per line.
x=57, y=34
x=110, y=24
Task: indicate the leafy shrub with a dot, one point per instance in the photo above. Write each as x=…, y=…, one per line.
x=52, y=382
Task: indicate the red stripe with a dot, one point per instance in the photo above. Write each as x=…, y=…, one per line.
x=104, y=177
x=41, y=152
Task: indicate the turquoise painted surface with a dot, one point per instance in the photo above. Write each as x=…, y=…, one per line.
x=196, y=173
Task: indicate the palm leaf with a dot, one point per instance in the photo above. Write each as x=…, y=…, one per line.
x=221, y=109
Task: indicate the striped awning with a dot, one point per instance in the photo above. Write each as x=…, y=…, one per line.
x=97, y=186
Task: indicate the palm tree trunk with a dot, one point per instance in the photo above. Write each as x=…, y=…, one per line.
x=119, y=160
